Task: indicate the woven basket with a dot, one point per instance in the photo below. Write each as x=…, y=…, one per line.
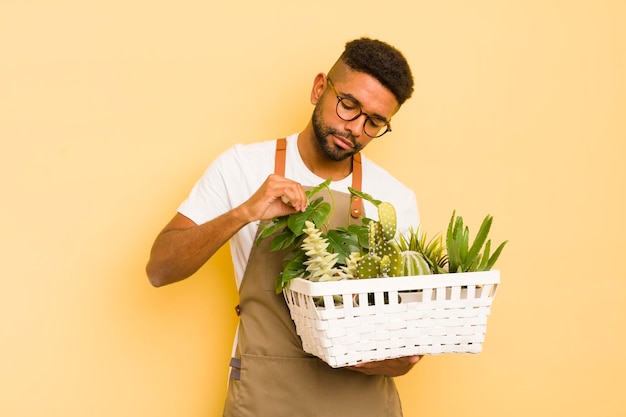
x=354, y=321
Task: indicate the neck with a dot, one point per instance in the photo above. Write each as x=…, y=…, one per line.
x=317, y=162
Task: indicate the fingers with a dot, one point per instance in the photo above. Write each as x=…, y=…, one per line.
x=277, y=196
x=292, y=194
x=414, y=359
x=286, y=191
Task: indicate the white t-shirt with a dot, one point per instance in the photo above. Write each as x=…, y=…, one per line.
x=239, y=172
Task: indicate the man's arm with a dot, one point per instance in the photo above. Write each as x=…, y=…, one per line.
x=183, y=246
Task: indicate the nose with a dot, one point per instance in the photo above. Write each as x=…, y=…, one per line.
x=357, y=125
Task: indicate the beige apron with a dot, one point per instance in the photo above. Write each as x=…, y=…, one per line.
x=271, y=375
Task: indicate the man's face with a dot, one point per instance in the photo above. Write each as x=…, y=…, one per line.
x=339, y=139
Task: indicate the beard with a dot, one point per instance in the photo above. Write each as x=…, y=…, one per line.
x=328, y=148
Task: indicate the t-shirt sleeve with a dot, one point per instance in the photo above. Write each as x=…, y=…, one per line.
x=210, y=198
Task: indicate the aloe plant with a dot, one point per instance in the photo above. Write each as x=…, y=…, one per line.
x=463, y=257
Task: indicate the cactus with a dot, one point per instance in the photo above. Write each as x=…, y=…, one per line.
x=414, y=263
x=384, y=258
x=369, y=266
x=385, y=266
x=387, y=218
x=375, y=236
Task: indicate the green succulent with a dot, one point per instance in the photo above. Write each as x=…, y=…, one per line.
x=463, y=257
x=433, y=251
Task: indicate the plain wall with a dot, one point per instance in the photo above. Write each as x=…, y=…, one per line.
x=110, y=111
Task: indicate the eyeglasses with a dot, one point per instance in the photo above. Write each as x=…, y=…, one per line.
x=349, y=110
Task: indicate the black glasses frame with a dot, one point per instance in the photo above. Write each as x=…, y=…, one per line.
x=361, y=112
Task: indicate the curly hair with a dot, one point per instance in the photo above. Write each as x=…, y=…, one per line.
x=383, y=62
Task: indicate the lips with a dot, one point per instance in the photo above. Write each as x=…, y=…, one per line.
x=343, y=142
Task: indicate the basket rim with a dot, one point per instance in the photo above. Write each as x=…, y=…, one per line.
x=414, y=282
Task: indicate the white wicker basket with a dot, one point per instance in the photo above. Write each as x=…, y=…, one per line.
x=403, y=316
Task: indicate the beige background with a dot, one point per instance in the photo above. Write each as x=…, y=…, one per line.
x=110, y=110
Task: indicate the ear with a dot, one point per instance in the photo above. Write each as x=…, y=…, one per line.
x=319, y=84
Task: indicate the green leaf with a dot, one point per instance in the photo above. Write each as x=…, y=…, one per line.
x=282, y=240
x=495, y=255
x=463, y=246
x=472, y=266
x=318, y=188
x=480, y=239
x=342, y=242
x=485, y=258
x=453, y=242
x=293, y=268
x=316, y=202
x=268, y=229
x=314, y=213
x=296, y=221
x=362, y=233
x=450, y=227
x=320, y=214
x=364, y=196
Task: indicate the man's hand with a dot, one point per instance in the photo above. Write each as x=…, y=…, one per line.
x=388, y=367
x=277, y=196
x=183, y=247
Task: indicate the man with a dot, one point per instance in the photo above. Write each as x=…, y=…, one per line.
x=270, y=374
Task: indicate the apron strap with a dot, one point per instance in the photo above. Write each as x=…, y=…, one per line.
x=281, y=156
x=356, y=206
